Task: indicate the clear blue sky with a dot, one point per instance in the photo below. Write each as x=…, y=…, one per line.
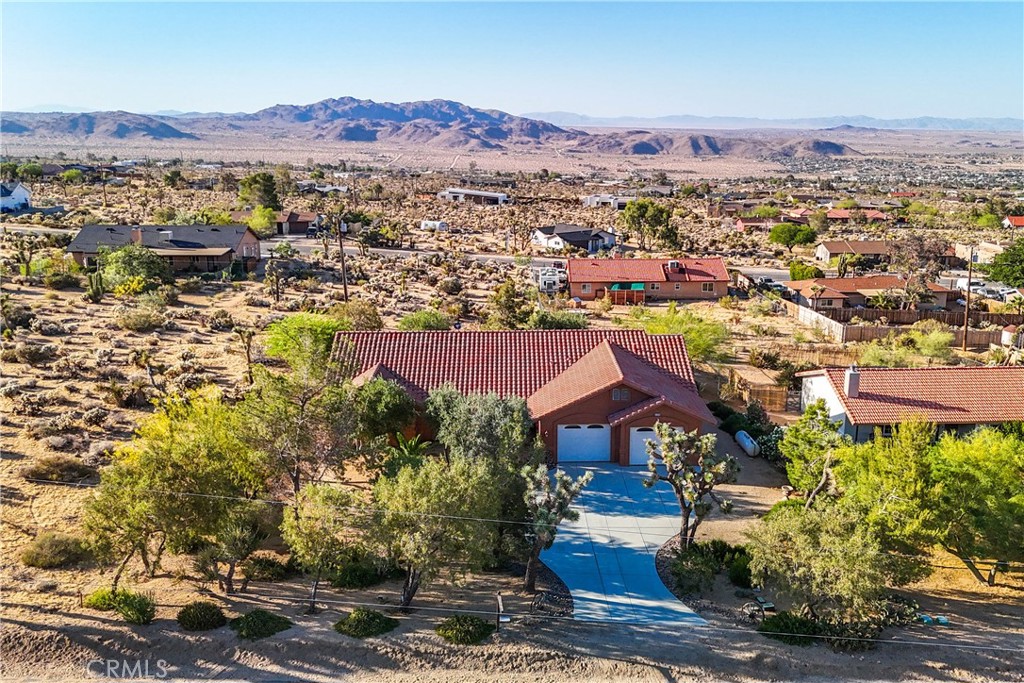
x=769, y=60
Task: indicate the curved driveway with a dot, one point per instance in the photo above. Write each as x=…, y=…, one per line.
x=607, y=557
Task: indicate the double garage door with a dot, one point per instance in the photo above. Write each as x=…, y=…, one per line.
x=593, y=443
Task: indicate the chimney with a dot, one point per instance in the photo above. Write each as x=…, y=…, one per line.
x=166, y=235
x=136, y=235
x=852, y=384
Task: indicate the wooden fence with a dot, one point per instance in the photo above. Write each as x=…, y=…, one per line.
x=953, y=319
x=770, y=396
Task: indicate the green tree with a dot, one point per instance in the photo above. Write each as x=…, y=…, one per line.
x=767, y=211
x=318, y=530
x=848, y=204
x=210, y=215
x=259, y=189
x=1008, y=267
x=384, y=408
x=236, y=538
x=30, y=171
x=263, y=221
x=360, y=314
x=644, y=219
x=547, y=505
x=189, y=444
x=790, y=235
x=436, y=516
x=824, y=557
x=845, y=262
x=556, y=320
x=691, y=464
x=426, y=319
x=511, y=305
x=809, y=447
x=173, y=178
x=134, y=260
x=303, y=338
x=804, y=271
x=978, y=505
x=9, y=170
x=71, y=176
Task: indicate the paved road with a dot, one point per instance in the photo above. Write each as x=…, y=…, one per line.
x=607, y=557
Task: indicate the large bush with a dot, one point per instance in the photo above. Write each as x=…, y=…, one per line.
x=790, y=628
x=365, y=623
x=102, y=599
x=265, y=568
x=259, y=624
x=53, y=550
x=201, y=615
x=426, y=319
x=465, y=629
x=135, y=608
x=57, y=468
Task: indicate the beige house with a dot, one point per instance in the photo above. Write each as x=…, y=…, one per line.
x=186, y=248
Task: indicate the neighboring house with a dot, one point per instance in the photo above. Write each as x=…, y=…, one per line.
x=1013, y=222
x=982, y=252
x=310, y=186
x=846, y=215
x=633, y=281
x=595, y=201
x=559, y=236
x=459, y=194
x=872, y=252
x=594, y=395
x=186, y=248
x=14, y=197
x=847, y=292
x=954, y=399
x=754, y=224
x=285, y=222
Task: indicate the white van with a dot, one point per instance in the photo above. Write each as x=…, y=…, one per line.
x=962, y=285
x=440, y=226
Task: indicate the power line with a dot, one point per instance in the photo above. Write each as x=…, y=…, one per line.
x=589, y=532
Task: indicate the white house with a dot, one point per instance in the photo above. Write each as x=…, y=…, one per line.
x=561, y=235
x=616, y=202
x=14, y=197
x=954, y=399
x=459, y=194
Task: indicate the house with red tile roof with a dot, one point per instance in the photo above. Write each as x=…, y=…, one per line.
x=1013, y=222
x=595, y=395
x=285, y=222
x=847, y=292
x=847, y=215
x=634, y=281
x=954, y=399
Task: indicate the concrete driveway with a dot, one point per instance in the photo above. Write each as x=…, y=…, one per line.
x=607, y=557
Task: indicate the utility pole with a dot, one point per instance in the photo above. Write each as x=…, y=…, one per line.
x=967, y=306
x=341, y=247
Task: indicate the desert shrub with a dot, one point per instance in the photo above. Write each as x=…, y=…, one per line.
x=790, y=628
x=131, y=286
x=735, y=423
x=450, y=286
x=694, y=569
x=264, y=568
x=14, y=315
x=191, y=285
x=201, y=615
x=220, y=319
x=61, y=281
x=48, y=328
x=167, y=294
x=49, y=426
x=787, y=374
x=139, y=319
x=729, y=302
x=365, y=623
x=57, y=468
x=99, y=453
x=739, y=571
x=102, y=599
x=763, y=358
x=94, y=417
x=34, y=354
x=135, y=608
x=762, y=330
x=720, y=410
x=769, y=442
x=131, y=394
x=464, y=629
x=259, y=624
x=53, y=550
x=425, y=320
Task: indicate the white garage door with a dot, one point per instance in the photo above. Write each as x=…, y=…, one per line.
x=584, y=443
x=638, y=438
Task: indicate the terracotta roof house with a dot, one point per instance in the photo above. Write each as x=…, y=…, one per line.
x=562, y=235
x=633, y=281
x=955, y=399
x=285, y=222
x=872, y=252
x=595, y=395
x=836, y=292
x=754, y=224
x=846, y=215
x=186, y=248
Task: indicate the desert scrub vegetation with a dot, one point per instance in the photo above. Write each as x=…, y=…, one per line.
x=365, y=623
x=259, y=624
x=135, y=608
x=54, y=550
x=465, y=629
x=58, y=468
x=201, y=615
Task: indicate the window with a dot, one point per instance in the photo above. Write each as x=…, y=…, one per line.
x=585, y=288
x=655, y=286
x=886, y=430
x=825, y=303
x=620, y=394
x=707, y=286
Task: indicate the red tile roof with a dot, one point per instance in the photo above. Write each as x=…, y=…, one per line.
x=647, y=270
x=606, y=366
x=845, y=214
x=522, y=362
x=956, y=395
x=1016, y=221
x=855, y=285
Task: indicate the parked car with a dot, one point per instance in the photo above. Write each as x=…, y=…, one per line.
x=961, y=284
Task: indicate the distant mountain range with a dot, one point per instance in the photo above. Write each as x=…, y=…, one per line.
x=562, y=118
x=435, y=123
